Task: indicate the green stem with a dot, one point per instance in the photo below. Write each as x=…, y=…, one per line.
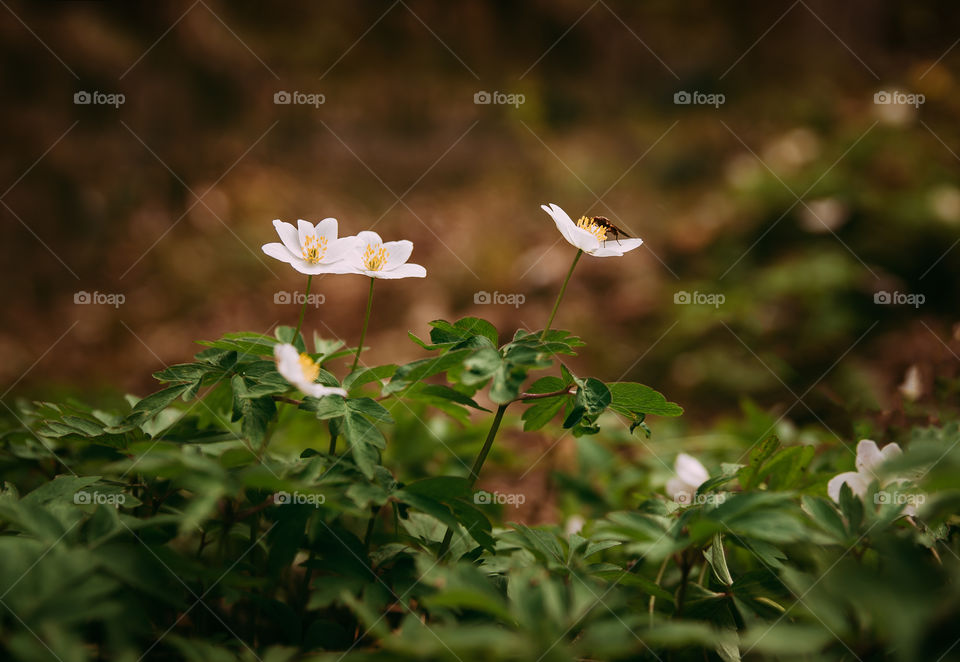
x=303, y=308
x=563, y=288
x=333, y=443
x=475, y=470
x=653, y=598
x=366, y=320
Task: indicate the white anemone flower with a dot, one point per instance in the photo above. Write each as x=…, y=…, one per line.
x=301, y=371
x=690, y=475
x=590, y=236
x=869, y=459
x=311, y=249
x=373, y=257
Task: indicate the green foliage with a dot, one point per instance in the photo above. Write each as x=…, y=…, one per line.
x=215, y=520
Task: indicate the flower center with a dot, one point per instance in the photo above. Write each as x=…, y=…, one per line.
x=374, y=258
x=591, y=226
x=314, y=248
x=309, y=369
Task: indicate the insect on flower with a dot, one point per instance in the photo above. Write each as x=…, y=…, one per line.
x=609, y=228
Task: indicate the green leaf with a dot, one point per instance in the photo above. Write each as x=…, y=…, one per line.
x=331, y=406
x=542, y=412
x=718, y=561
x=629, y=398
x=365, y=440
x=750, y=475
x=825, y=515
x=152, y=405
x=363, y=376
x=369, y=407
x=417, y=370
x=446, y=393
x=464, y=329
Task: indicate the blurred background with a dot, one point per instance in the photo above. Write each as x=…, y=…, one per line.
x=805, y=201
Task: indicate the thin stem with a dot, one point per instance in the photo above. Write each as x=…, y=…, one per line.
x=333, y=443
x=366, y=320
x=653, y=598
x=303, y=308
x=563, y=288
x=475, y=470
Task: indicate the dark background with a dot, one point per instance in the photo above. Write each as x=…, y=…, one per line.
x=168, y=198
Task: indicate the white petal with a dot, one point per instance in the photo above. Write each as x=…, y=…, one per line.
x=305, y=229
x=858, y=484
x=690, y=471
x=868, y=456
x=586, y=241
x=615, y=248
x=345, y=248
x=891, y=451
x=398, y=252
x=408, y=270
x=304, y=267
x=562, y=221
x=278, y=251
x=680, y=492
x=327, y=228
x=319, y=390
x=288, y=362
x=368, y=237
x=289, y=236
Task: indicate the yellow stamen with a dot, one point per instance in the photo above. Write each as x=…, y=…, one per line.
x=593, y=228
x=310, y=369
x=314, y=248
x=374, y=259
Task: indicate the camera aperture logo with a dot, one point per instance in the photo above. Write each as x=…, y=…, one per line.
x=299, y=298
x=484, y=498
x=284, y=498
x=84, y=298
x=684, y=298
x=684, y=98
x=884, y=298
x=484, y=98
x=898, y=98
x=483, y=298
x=84, y=498
x=284, y=98
x=95, y=98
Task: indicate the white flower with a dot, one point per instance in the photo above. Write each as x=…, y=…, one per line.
x=690, y=475
x=311, y=249
x=574, y=524
x=373, y=257
x=590, y=236
x=301, y=371
x=869, y=459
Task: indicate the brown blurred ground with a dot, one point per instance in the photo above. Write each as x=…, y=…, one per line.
x=112, y=206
